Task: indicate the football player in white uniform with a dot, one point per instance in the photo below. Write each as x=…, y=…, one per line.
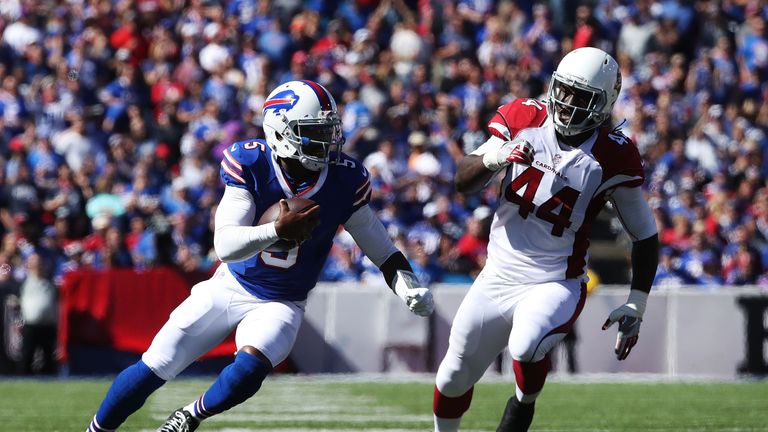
x=562, y=162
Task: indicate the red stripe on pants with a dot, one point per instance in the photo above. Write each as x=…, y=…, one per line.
x=451, y=407
x=530, y=376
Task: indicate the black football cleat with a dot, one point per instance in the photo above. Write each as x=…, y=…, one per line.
x=179, y=421
x=517, y=416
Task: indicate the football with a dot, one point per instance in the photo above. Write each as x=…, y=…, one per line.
x=271, y=214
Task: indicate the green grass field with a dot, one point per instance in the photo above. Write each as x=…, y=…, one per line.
x=326, y=403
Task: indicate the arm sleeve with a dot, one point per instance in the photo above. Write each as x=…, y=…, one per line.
x=634, y=213
x=234, y=238
x=369, y=233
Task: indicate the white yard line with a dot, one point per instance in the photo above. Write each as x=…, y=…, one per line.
x=291, y=400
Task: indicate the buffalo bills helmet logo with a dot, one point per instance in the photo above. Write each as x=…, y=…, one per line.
x=285, y=100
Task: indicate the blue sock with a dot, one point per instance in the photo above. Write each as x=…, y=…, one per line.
x=126, y=395
x=236, y=383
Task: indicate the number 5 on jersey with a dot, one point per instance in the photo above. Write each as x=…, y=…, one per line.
x=281, y=260
x=564, y=200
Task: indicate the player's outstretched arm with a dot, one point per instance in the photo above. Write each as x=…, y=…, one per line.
x=477, y=169
x=234, y=239
x=373, y=239
x=472, y=175
x=639, y=223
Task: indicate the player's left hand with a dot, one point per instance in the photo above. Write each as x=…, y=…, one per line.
x=517, y=151
x=629, y=316
x=522, y=152
x=416, y=297
x=629, y=319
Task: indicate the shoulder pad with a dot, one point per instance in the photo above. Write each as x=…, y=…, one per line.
x=246, y=152
x=358, y=178
x=618, y=155
x=517, y=115
x=238, y=158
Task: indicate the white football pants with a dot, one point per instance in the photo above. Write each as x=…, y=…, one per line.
x=208, y=315
x=542, y=314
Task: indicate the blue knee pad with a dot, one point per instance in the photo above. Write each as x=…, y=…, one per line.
x=236, y=383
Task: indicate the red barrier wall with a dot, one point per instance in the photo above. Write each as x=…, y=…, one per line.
x=123, y=308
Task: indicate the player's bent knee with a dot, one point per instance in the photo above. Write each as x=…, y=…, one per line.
x=258, y=354
x=453, y=382
x=248, y=372
x=236, y=383
x=534, y=351
x=165, y=367
x=527, y=354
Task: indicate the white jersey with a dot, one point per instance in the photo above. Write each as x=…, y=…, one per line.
x=540, y=229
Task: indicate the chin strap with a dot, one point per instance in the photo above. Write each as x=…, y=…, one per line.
x=310, y=164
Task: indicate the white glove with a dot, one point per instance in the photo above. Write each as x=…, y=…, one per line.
x=417, y=298
x=629, y=316
x=515, y=151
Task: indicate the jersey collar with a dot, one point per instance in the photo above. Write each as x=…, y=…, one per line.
x=585, y=147
x=307, y=193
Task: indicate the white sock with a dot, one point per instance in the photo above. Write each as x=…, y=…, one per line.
x=191, y=409
x=525, y=398
x=446, y=424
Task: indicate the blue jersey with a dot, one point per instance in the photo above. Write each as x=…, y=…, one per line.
x=341, y=189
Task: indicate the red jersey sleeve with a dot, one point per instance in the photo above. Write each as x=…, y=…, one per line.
x=515, y=116
x=620, y=159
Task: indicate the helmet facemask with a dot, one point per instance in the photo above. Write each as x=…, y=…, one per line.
x=316, y=140
x=575, y=107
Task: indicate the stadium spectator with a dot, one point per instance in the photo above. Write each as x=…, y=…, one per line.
x=39, y=309
x=668, y=273
x=473, y=244
x=700, y=263
x=741, y=261
x=340, y=266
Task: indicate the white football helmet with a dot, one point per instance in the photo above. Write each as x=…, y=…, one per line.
x=583, y=90
x=301, y=122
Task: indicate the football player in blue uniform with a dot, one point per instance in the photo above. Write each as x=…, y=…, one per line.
x=259, y=291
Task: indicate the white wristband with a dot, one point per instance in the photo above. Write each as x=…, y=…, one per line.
x=404, y=281
x=637, y=300
x=490, y=153
x=491, y=161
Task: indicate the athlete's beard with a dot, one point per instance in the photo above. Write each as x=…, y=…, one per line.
x=574, y=140
x=296, y=170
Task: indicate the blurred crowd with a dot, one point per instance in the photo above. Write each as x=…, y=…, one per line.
x=114, y=115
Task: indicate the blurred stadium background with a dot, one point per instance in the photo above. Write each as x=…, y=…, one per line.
x=114, y=113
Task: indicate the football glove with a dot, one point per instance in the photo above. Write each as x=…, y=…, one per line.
x=629, y=316
x=515, y=151
x=418, y=298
